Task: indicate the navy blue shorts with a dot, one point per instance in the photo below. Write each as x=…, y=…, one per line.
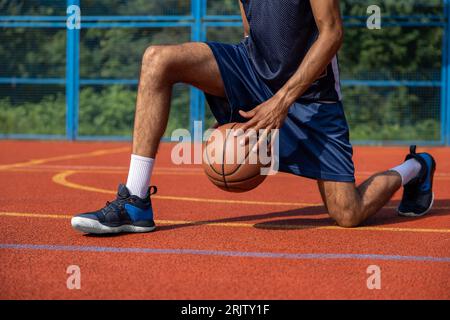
x=314, y=139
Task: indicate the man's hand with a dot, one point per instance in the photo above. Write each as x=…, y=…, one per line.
x=267, y=116
x=271, y=114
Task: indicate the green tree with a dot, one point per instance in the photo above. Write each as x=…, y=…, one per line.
x=383, y=113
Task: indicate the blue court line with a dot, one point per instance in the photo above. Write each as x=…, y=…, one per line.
x=270, y=255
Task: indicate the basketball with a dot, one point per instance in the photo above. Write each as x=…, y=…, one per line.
x=230, y=166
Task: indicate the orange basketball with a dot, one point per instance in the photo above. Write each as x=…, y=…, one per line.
x=229, y=165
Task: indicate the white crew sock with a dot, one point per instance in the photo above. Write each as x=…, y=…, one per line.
x=408, y=170
x=139, y=175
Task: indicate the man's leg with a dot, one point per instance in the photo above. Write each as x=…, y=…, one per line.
x=162, y=67
x=349, y=205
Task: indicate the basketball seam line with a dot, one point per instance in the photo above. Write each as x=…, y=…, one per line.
x=247, y=155
x=223, y=160
x=244, y=180
x=223, y=156
x=209, y=161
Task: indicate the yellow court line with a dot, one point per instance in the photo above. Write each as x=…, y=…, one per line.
x=116, y=168
x=156, y=171
x=65, y=157
x=94, y=168
x=34, y=215
x=61, y=179
x=102, y=171
x=225, y=201
x=267, y=225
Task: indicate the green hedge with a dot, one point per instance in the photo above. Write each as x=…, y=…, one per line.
x=106, y=112
x=392, y=53
x=111, y=112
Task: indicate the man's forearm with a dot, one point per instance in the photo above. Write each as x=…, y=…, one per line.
x=314, y=64
x=271, y=113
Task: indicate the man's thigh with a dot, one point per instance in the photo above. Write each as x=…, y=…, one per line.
x=194, y=63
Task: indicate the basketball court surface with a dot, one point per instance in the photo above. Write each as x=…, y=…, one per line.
x=275, y=242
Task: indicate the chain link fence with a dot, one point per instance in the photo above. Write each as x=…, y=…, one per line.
x=62, y=83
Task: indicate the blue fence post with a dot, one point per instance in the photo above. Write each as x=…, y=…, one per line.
x=72, y=77
x=203, y=35
x=196, y=36
x=446, y=74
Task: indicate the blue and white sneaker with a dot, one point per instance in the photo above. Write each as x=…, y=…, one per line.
x=418, y=194
x=128, y=213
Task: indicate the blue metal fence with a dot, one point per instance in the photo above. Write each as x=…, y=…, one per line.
x=199, y=22
x=445, y=77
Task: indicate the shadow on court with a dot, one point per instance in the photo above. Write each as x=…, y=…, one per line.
x=299, y=219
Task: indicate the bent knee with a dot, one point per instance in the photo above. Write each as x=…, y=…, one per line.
x=153, y=54
x=346, y=217
x=156, y=60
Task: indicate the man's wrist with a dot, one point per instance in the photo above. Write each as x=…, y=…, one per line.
x=284, y=98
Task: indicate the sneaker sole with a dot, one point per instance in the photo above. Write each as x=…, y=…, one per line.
x=94, y=227
x=412, y=214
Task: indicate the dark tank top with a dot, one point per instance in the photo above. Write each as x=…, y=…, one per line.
x=281, y=33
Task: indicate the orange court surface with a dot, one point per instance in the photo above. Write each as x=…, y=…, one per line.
x=275, y=242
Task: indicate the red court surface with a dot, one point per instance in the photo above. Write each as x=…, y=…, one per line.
x=275, y=242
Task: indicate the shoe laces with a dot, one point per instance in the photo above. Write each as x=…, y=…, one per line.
x=115, y=205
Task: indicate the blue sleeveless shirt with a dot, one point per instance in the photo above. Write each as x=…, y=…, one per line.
x=281, y=33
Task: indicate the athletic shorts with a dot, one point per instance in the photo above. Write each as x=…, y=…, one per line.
x=314, y=139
